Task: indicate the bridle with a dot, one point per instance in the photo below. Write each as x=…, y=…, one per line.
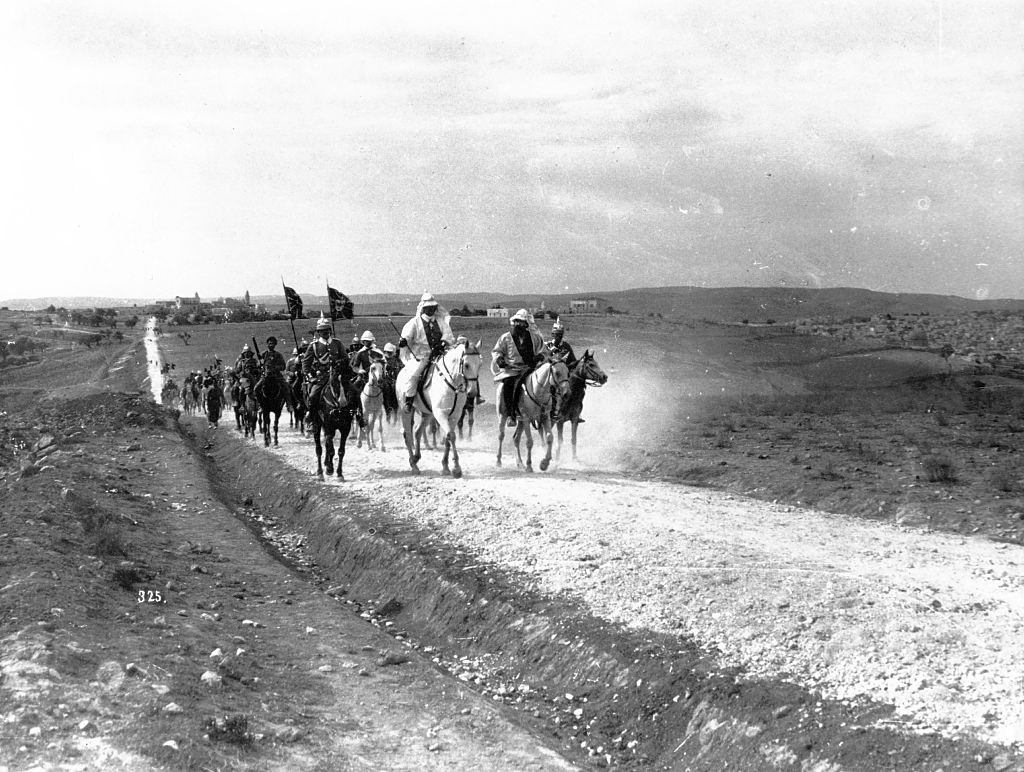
x=588, y=377
x=552, y=373
x=455, y=380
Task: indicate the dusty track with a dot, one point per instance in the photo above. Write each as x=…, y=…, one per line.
x=854, y=617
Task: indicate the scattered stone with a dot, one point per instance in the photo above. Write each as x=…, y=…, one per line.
x=389, y=657
x=211, y=679
x=173, y=745
x=290, y=734
x=44, y=442
x=35, y=731
x=782, y=711
x=160, y=688
x=133, y=447
x=325, y=669
x=251, y=623
x=434, y=747
x=173, y=707
x=84, y=724
x=390, y=608
x=310, y=631
x=363, y=672
x=160, y=621
x=132, y=669
x=1002, y=762
x=216, y=653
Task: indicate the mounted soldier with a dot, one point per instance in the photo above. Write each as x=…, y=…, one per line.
x=424, y=337
x=392, y=366
x=274, y=364
x=559, y=349
x=247, y=366
x=322, y=356
x=355, y=345
x=367, y=353
x=516, y=353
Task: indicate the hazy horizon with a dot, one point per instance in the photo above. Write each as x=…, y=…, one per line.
x=529, y=149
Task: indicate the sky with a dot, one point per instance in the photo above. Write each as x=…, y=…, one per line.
x=156, y=149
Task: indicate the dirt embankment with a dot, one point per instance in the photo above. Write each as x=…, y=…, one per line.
x=683, y=641
x=142, y=626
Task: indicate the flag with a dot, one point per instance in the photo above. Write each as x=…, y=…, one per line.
x=341, y=306
x=294, y=302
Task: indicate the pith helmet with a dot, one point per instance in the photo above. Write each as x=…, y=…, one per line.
x=367, y=336
x=390, y=347
x=428, y=299
x=522, y=315
x=558, y=326
x=246, y=347
x=322, y=324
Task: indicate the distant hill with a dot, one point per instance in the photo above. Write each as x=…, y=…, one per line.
x=719, y=304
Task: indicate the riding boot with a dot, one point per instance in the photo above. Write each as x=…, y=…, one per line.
x=480, y=400
x=408, y=403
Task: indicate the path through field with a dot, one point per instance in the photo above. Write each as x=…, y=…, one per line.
x=927, y=622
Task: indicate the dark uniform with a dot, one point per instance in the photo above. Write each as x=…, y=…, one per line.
x=317, y=362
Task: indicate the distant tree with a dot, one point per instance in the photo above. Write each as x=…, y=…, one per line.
x=946, y=352
x=746, y=321
x=131, y=321
x=51, y=309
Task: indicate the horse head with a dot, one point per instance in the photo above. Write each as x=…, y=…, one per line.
x=589, y=370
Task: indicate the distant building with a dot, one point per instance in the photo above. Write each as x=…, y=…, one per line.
x=584, y=305
x=189, y=303
x=498, y=312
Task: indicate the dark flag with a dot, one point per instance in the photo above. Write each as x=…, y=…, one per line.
x=341, y=306
x=294, y=303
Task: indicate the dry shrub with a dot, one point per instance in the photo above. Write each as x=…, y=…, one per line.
x=229, y=729
x=939, y=468
x=108, y=540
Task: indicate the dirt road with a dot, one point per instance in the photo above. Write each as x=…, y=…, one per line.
x=928, y=622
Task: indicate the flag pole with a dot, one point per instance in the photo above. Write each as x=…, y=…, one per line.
x=330, y=305
x=291, y=319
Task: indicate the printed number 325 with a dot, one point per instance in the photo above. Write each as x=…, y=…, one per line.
x=149, y=596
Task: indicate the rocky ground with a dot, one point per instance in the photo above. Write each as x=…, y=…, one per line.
x=583, y=616
x=143, y=625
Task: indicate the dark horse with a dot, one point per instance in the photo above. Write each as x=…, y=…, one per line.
x=271, y=396
x=246, y=409
x=585, y=372
x=330, y=412
x=296, y=402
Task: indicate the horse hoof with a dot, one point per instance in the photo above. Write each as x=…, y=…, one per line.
x=498, y=462
x=341, y=477
x=457, y=474
x=529, y=468
x=544, y=466
x=446, y=471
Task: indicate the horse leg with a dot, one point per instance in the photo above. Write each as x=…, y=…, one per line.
x=545, y=428
x=558, y=448
x=449, y=440
x=517, y=436
x=319, y=450
x=265, y=420
x=469, y=434
x=277, y=418
x=575, y=425
x=524, y=425
x=344, y=430
x=456, y=468
x=329, y=449
x=407, y=435
x=501, y=431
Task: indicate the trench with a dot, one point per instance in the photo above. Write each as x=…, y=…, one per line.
x=610, y=696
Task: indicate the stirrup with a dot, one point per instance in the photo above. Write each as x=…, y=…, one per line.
x=580, y=421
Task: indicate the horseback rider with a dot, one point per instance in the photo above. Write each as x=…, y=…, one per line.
x=247, y=366
x=367, y=354
x=355, y=345
x=517, y=353
x=323, y=354
x=560, y=350
x=392, y=366
x=274, y=364
x=424, y=337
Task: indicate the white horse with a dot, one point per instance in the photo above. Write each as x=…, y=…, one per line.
x=372, y=400
x=443, y=395
x=534, y=411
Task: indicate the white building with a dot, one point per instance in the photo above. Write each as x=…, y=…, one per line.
x=499, y=312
